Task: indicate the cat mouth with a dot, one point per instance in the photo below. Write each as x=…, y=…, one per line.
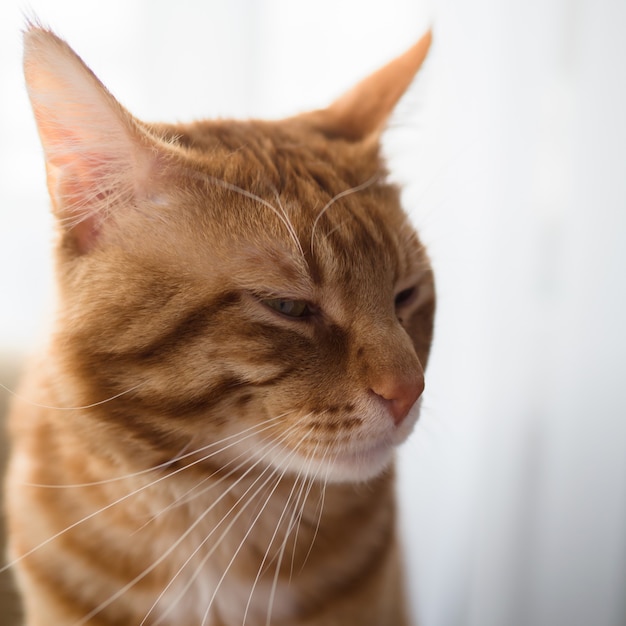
x=370, y=453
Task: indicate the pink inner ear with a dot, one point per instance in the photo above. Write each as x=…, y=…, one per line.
x=74, y=200
x=77, y=184
x=86, y=234
x=95, y=152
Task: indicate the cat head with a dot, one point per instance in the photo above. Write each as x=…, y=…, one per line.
x=248, y=282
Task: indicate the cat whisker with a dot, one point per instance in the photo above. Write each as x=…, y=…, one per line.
x=69, y=408
x=251, y=431
x=251, y=527
x=320, y=505
x=295, y=521
x=339, y=225
x=111, y=505
x=281, y=553
x=303, y=478
x=368, y=183
x=169, y=551
x=188, y=497
x=281, y=214
x=249, y=531
x=311, y=482
x=296, y=511
x=288, y=222
x=206, y=557
x=262, y=566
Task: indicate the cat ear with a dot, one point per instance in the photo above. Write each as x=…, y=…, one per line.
x=364, y=110
x=96, y=154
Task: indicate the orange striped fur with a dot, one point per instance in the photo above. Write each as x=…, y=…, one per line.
x=245, y=314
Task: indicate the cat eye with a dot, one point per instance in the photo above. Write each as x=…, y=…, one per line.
x=405, y=296
x=290, y=308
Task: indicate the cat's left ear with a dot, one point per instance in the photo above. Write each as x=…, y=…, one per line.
x=98, y=157
x=364, y=110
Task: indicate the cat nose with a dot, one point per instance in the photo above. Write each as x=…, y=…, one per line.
x=399, y=394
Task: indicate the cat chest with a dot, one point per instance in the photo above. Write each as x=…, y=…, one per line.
x=217, y=575
x=209, y=600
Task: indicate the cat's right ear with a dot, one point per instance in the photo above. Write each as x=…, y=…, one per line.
x=97, y=156
x=363, y=111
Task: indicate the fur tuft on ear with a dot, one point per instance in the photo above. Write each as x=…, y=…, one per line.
x=364, y=110
x=97, y=156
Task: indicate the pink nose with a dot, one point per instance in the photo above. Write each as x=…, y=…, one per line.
x=399, y=394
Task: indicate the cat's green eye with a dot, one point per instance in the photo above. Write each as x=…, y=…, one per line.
x=290, y=308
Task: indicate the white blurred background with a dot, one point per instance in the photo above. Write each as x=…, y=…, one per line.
x=512, y=150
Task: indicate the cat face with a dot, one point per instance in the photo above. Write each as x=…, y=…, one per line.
x=250, y=282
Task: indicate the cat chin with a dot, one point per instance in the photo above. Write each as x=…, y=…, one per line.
x=361, y=465
x=344, y=466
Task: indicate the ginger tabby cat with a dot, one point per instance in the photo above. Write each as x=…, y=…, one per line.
x=244, y=318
